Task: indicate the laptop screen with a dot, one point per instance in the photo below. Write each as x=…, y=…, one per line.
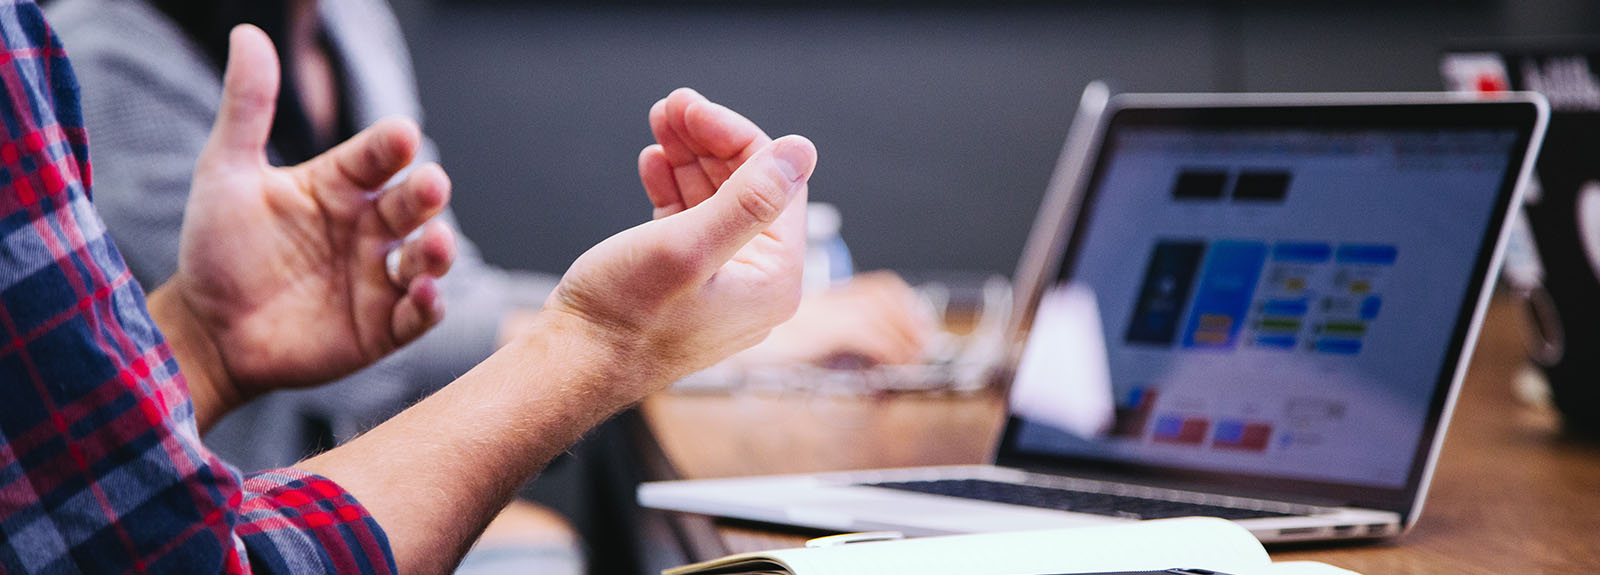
x=1265, y=298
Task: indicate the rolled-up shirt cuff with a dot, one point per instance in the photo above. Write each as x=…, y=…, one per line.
x=291, y=521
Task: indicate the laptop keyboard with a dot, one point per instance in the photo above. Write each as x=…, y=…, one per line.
x=1127, y=506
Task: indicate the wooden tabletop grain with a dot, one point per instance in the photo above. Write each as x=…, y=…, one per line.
x=1512, y=494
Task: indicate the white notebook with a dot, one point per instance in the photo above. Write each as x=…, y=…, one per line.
x=1187, y=543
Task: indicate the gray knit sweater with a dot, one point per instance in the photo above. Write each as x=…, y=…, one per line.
x=149, y=99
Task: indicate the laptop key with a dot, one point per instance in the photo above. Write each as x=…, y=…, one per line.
x=1068, y=500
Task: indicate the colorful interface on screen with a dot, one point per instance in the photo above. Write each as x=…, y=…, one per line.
x=1279, y=303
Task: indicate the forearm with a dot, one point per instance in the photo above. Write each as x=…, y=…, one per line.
x=197, y=355
x=435, y=475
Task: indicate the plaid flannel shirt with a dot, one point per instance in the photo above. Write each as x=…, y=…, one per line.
x=101, y=466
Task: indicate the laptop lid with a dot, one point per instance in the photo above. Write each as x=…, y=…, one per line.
x=1279, y=292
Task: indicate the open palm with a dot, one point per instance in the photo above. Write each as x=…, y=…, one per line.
x=284, y=268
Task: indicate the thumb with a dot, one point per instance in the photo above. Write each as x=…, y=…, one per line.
x=751, y=201
x=249, y=97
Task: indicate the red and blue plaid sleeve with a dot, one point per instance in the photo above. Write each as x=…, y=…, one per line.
x=101, y=466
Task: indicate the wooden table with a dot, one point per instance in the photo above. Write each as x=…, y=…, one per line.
x=1511, y=494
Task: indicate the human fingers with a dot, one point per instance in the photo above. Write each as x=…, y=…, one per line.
x=421, y=196
x=896, y=351
x=725, y=137
x=896, y=305
x=908, y=344
x=430, y=253
x=723, y=133
x=367, y=160
x=676, y=105
x=750, y=202
x=718, y=141
x=900, y=342
x=874, y=344
x=676, y=150
x=655, y=172
x=692, y=184
x=249, y=99
x=421, y=308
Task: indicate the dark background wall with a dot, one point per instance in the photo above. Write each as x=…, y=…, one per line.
x=937, y=125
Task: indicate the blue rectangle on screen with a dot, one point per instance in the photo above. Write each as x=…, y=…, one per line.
x=1370, y=307
x=1301, y=252
x=1168, y=282
x=1371, y=254
x=1169, y=426
x=1229, y=431
x=1339, y=346
x=1221, y=301
x=1276, y=341
x=1285, y=307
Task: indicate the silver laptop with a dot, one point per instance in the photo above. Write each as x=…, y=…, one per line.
x=1255, y=307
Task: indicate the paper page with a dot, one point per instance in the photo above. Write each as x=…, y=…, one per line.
x=1151, y=545
x=1063, y=379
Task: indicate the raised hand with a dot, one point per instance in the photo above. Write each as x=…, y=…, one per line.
x=874, y=320
x=718, y=267
x=640, y=310
x=699, y=144
x=283, y=270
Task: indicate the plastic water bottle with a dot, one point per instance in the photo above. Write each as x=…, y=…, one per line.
x=827, y=257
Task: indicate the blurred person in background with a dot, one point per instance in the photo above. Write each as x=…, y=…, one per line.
x=151, y=72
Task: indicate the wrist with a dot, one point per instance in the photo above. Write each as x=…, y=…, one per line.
x=611, y=370
x=199, y=358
